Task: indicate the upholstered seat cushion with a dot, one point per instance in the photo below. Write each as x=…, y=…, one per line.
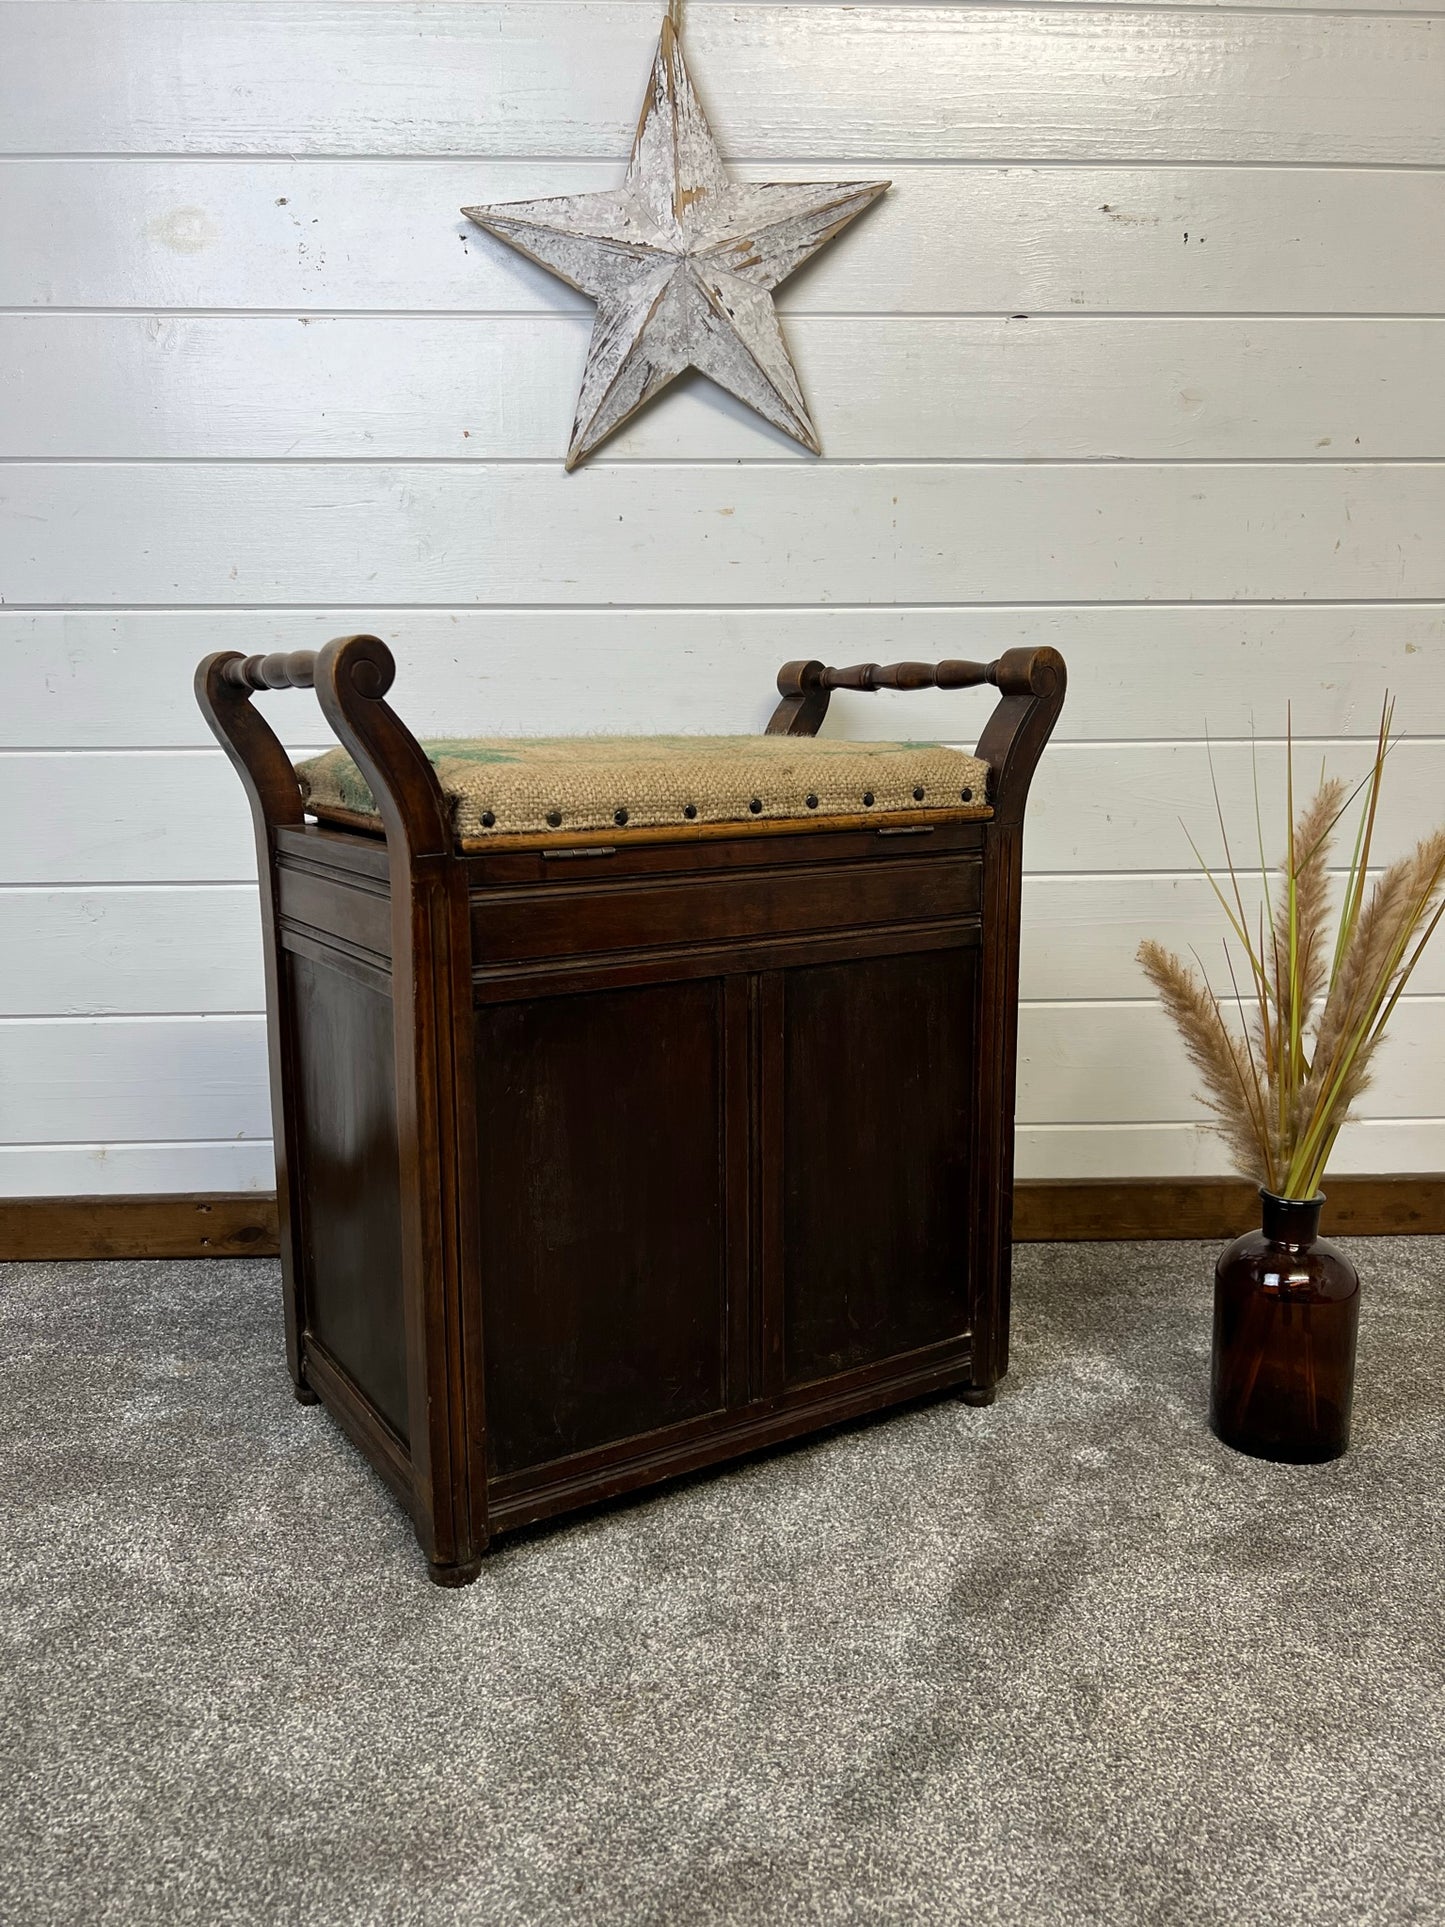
x=560, y=786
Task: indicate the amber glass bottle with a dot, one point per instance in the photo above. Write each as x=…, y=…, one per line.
x=1286, y=1308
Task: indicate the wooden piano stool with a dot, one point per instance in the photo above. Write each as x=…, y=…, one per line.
x=636, y=1106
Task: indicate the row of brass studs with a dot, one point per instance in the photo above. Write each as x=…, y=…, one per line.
x=689, y=810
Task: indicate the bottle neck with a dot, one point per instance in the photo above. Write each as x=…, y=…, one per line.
x=1290, y=1221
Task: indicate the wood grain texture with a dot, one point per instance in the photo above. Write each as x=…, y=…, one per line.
x=83, y=1080
x=1214, y=1208
x=79, y=952
x=681, y=261
x=1070, y=388
x=785, y=82
x=88, y=1080
x=67, y=678
x=243, y=1225
x=160, y=816
x=95, y=952
x=221, y=1225
x=126, y=534
x=318, y=235
x=1056, y=172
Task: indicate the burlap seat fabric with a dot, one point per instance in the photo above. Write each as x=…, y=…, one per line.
x=560, y=785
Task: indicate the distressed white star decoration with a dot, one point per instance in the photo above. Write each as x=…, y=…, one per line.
x=681, y=262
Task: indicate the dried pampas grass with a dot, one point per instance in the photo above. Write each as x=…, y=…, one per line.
x=1313, y=1001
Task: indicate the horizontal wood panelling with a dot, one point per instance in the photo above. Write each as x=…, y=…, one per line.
x=1124, y=1063
x=1070, y=1151
x=388, y=234
x=1076, y=388
x=1157, y=472
x=243, y=1225
x=82, y=952
x=174, y=816
x=129, y=533
x=89, y=679
x=79, y=1080
x=146, y=951
x=133, y=1170
x=1188, y=1150
x=1080, y=934
x=782, y=82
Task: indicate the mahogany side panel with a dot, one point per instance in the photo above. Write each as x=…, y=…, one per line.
x=350, y=1189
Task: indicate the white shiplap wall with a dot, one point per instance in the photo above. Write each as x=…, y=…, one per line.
x=1143, y=357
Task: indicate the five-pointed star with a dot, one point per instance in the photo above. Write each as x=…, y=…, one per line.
x=681, y=261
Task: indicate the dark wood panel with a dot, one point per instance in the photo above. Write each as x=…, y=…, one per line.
x=342, y=850
x=724, y=1436
x=877, y=1107
x=598, y=916
x=749, y=850
x=603, y=1214
x=351, y=1222
x=566, y=976
x=353, y=909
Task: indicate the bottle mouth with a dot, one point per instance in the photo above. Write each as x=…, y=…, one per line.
x=1290, y=1220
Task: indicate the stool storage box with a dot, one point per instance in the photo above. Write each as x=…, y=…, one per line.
x=637, y=1103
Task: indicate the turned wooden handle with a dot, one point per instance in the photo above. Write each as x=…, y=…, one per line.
x=868, y=676
x=1030, y=683
x=805, y=687
x=294, y=671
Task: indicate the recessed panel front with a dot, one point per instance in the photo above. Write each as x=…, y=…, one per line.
x=599, y=1121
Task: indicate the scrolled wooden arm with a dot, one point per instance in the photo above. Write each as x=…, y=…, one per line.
x=1030, y=682
x=351, y=677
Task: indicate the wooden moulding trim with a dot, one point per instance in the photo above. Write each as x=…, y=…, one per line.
x=682, y=833
x=243, y=1224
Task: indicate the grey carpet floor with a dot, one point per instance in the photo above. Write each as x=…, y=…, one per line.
x=1063, y=1660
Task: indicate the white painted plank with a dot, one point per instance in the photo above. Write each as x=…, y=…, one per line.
x=1124, y=1064
x=77, y=952
x=156, y=951
x=135, y=1170
x=173, y=816
x=1081, y=934
x=1368, y=1148
x=359, y=234
x=75, y=1080
x=388, y=235
x=778, y=81
x=98, y=679
x=887, y=388
x=832, y=532
x=170, y=817
x=89, y=1079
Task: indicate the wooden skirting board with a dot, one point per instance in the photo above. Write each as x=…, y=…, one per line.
x=243, y=1224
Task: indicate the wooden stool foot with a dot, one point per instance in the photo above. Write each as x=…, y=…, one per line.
x=303, y=1394
x=461, y=1575
x=978, y=1394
